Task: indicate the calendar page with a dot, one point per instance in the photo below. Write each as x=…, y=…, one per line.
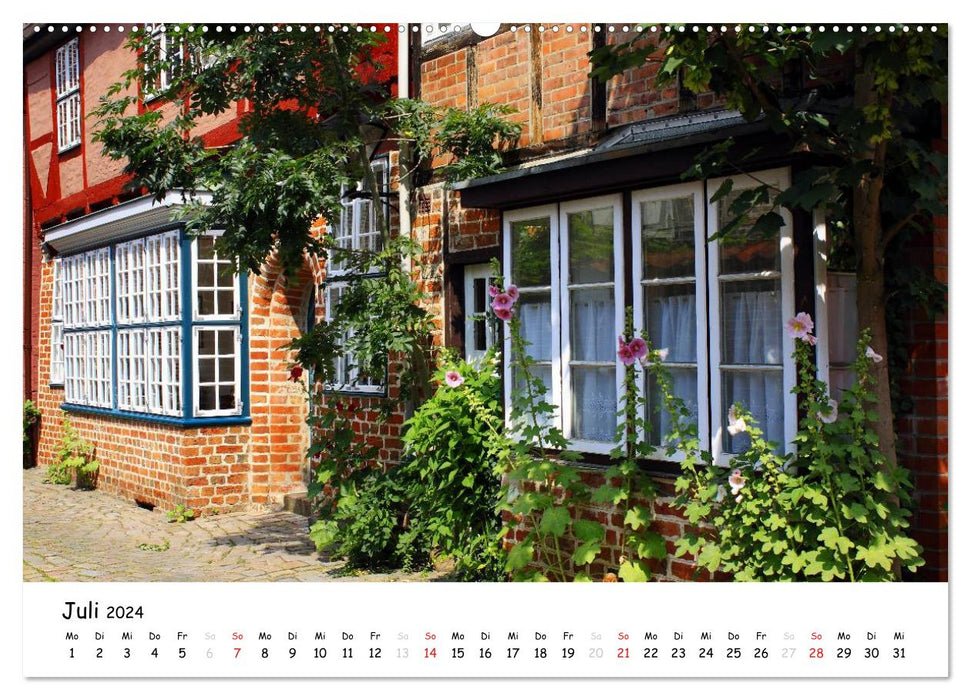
x=458, y=350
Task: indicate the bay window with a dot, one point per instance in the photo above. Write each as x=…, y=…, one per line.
x=56, y=377
x=134, y=347
x=715, y=307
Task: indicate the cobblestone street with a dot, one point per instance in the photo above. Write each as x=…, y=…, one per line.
x=74, y=535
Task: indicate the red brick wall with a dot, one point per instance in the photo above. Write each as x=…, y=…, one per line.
x=566, y=85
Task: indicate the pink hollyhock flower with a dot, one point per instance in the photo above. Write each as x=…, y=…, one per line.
x=626, y=355
x=638, y=347
x=503, y=314
x=831, y=413
x=873, y=355
x=800, y=326
x=454, y=379
x=736, y=422
x=493, y=290
x=502, y=301
x=736, y=481
x=513, y=292
x=620, y=342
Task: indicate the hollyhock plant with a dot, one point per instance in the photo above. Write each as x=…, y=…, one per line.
x=736, y=481
x=831, y=413
x=736, y=422
x=513, y=292
x=493, y=290
x=502, y=301
x=626, y=355
x=454, y=379
x=503, y=314
x=296, y=373
x=801, y=327
x=638, y=347
x=873, y=355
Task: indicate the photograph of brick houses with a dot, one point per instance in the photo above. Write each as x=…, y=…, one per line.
x=592, y=313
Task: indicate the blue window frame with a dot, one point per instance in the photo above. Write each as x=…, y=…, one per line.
x=156, y=328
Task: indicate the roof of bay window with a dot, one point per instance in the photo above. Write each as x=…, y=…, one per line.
x=643, y=153
x=135, y=217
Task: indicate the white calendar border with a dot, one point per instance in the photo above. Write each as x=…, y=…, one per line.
x=958, y=297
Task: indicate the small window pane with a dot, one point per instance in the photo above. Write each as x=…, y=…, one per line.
x=751, y=318
x=668, y=232
x=594, y=403
x=592, y=333
x=227, y=369
x=225, y=303
x=207, y=245
x=531, y=252
x=227, y=345
x=227, y=397
x=537, y=324
x=684, y=385
x=207, y=370
x=591, y=246
x=207, y=398
x=207, y=343
x=741, y=251
x=759, y=392
x=206, y=276
x=670, y=320
x=207, y=303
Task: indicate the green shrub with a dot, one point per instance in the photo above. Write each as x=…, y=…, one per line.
x=31, y=416
x=75, y=456
x=450, y=470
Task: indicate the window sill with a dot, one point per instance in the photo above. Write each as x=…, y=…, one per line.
x=67, y=149
x=213, y=421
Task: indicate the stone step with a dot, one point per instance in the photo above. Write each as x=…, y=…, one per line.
x=297, y=502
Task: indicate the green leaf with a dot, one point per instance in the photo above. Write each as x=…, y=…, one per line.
x=652, y=546
x=520, y=556
x=586, y=553
x=638, y=517
x=588, y=530
x=555, y=520
x=632, y=571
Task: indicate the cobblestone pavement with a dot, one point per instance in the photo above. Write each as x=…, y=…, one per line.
x=74, y=535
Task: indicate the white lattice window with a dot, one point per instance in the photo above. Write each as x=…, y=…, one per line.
x=164, y=356
x=162, y=277
x=215, y=282
x=98, y=277
x=348, y=376
x=217, y=370
x=357, y=229
x=88, y=361
x=171, y=49
x=67, y=88
x=57, y=324
x=130, y=281
x=74, y=367
x=132, y=387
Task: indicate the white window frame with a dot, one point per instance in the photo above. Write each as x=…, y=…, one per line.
x=470, y=274
x=695, y=190
x=196, y=315
x=163, y=42
x=237, y=409
x=67, y=90
x=509, y=218
x=159, y=370
x=353, y=372
x=778, y=177
x=354, y=209
x=56, y=367
x=567, y=208
x=133, y=356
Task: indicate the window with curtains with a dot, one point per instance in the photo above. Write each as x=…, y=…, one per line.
x=715, y=308
x=133, y=343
